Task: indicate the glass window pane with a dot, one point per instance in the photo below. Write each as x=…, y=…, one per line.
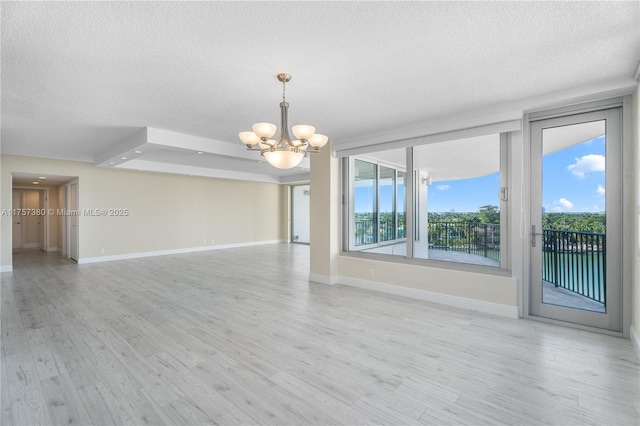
x=377, y=221
x=387, y=204
x=365, y=202
x=459, y=205
x=574, y=217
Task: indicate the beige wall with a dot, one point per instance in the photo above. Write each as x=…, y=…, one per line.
x=166, y=212
x=635, y=286
x=324, y=215
x=482, y=287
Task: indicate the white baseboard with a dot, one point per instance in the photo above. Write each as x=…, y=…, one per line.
x=635, y=339
x=97, y=259
x=52, y=249
x=6, y=268
x=323, y=279
x=429, y=296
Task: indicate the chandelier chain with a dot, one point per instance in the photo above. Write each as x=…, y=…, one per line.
x=284, y=85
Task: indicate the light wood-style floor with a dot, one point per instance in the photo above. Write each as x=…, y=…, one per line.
x=241, y=337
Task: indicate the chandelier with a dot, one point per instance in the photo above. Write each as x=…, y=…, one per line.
x=283, y=153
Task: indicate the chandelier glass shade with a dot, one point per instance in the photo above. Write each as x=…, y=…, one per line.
x=283, y=153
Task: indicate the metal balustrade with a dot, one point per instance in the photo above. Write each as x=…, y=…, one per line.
x=367, y=231
x=575, y=261
x=468, y=237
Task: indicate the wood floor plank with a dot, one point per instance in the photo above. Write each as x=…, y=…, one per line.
x=201, y=338
x=64, y=402
x=103, y=407
x=5, y=400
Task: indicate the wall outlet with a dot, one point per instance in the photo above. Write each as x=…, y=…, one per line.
x=101, y=251
x=372, y=273
x=204, y=242
x=213, y=242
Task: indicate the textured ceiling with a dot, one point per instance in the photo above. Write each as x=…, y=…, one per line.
x=79, y=78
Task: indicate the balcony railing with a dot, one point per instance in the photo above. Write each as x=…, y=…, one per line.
x=468, y=237
x=575, y=261
x=367, y=230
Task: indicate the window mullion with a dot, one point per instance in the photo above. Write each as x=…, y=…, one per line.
x=409, y=198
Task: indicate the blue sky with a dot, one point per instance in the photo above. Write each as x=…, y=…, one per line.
x=572, y=178
x=573, y=181
x=464, y=195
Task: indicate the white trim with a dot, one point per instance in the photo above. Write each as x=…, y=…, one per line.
x=434, y=130
x=180, y=169
x=323, y=279
x=150, y=139
x=636, y=75
x=488, y=129
x=429, y=296
x=299, y=179
x=6, y=268
x=635, y=339
x=97, y=259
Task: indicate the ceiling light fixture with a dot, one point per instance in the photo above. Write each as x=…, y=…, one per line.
x=35, y=182
x=199, y=152
x=283, y=153
x=42, y=177
x=138, y=152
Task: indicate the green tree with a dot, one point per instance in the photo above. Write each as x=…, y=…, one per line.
x=489, y=214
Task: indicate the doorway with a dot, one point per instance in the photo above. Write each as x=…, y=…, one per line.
x=300, y=213
x=44, y=215
x=576, y=217
x=29, y=218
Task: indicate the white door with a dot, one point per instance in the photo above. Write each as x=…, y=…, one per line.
x=73, y=221
x=17, y=222
x=576, y=217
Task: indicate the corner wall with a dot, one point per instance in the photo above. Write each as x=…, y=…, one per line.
x=165, y=212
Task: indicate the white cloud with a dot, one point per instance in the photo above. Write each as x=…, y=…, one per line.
x=562, y=205
x=587, y=164
x=601, y=191
x=443, y=187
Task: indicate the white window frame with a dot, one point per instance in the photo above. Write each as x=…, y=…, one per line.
x=349, y=247
x=349, y=210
